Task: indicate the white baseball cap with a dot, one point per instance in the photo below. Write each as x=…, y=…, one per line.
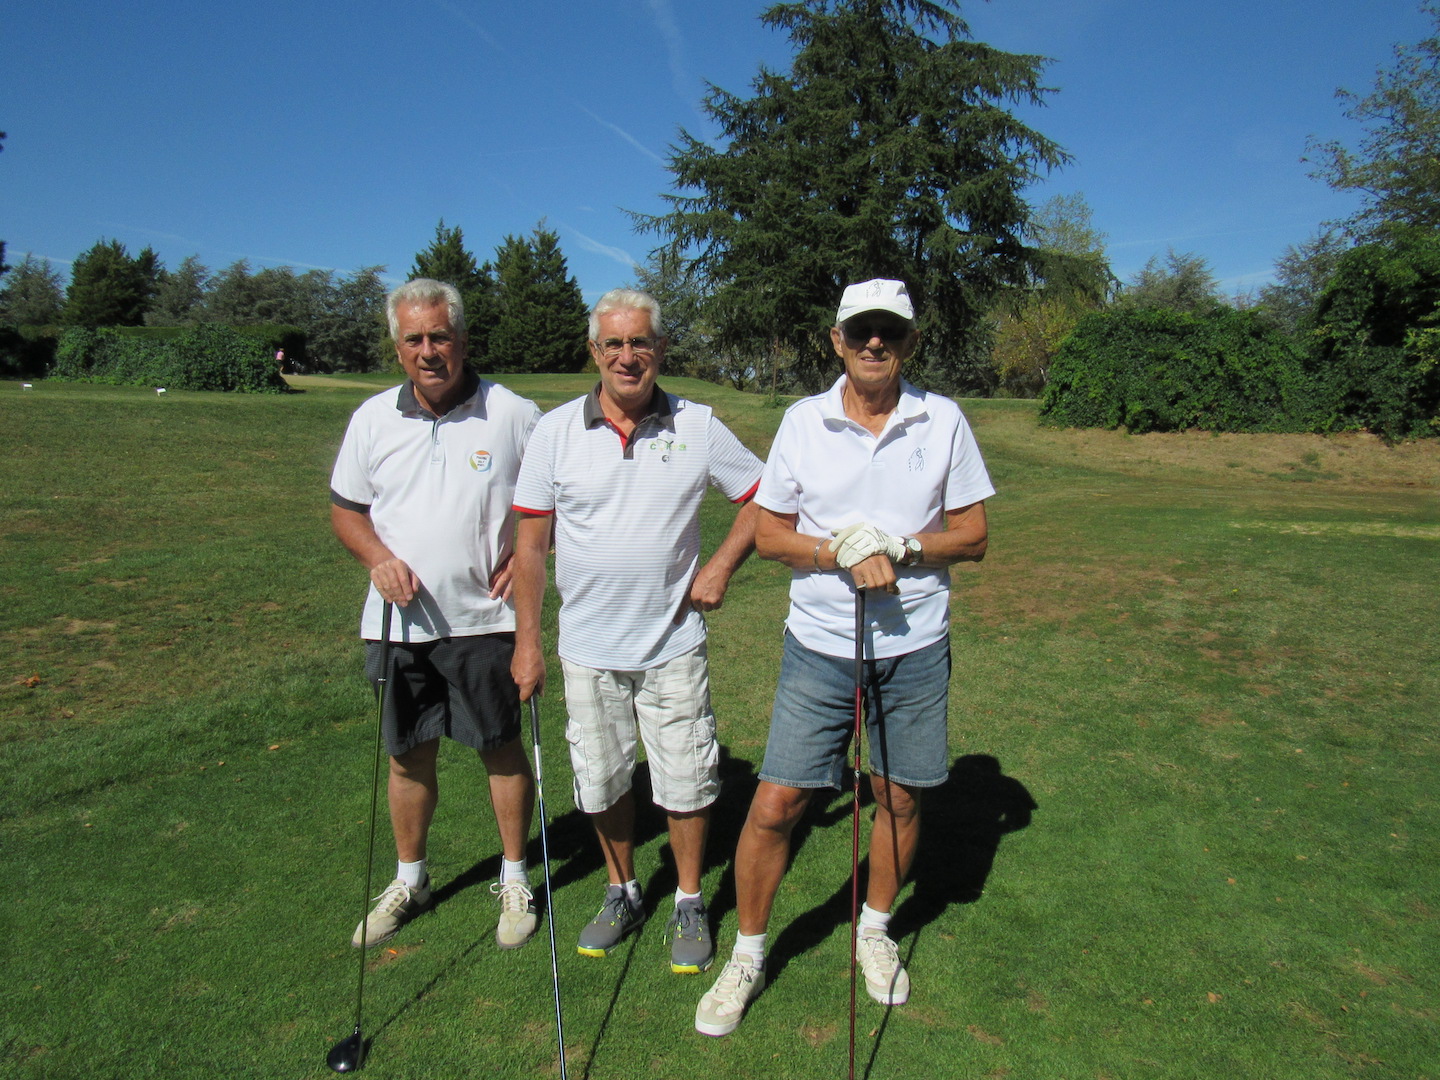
x=878, y=294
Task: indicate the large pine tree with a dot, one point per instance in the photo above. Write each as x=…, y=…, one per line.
x=886, y=150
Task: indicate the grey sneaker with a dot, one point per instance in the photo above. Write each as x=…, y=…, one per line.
x=518, y=914
x=691, y=950
x=398, y=904
x=885, y=978
x=723, y=1007
x=616, y=918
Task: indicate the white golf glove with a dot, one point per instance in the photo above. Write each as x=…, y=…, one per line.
x=855, y=543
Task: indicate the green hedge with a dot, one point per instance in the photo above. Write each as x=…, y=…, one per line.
x=206, y=357
x=1159, y=370
x=1375, y=346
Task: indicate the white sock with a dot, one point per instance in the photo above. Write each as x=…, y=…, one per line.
x=513, y=871
x=411, y=873
x=681, y=894
x=632, y=890
x=872, y=920
x=751, y=945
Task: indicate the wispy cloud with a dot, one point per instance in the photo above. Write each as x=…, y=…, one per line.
x=461, y=15
x=669, y=31
x=589, y=243
x=624, y=135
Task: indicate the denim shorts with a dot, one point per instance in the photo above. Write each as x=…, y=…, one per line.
x=814, y=717
x=667, y=708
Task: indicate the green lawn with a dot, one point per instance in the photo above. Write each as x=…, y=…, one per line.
x=1191, y=827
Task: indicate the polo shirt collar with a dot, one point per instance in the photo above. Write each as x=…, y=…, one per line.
x=660, y=410
x=911, y=405
x=407, y=402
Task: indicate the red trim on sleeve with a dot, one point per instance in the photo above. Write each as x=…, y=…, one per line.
x=533, y=513
x=743, y=498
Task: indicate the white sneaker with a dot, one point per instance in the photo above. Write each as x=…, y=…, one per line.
x=879, y=959
x=398, y=904
x=518, y=914
x=721, y=1010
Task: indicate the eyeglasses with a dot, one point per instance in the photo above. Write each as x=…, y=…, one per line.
x=892, y=333
x=614, y=346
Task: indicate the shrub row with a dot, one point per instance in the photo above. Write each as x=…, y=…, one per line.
x=1159, y=370
x=1372, y=362
x=206, y=357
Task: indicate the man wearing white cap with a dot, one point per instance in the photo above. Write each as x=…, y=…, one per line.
x=872, y=485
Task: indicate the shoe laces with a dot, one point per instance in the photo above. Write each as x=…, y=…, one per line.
x=395, y=894
x=880, y=949
x=618, y=908
x=737, y=973
x=514, y=895
x=688, y=921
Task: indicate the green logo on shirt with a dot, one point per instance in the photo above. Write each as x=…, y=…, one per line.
x=666, y=447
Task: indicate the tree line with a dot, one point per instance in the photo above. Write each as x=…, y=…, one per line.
x=890, y=147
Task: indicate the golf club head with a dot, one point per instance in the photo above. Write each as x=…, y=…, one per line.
x=348, y=1053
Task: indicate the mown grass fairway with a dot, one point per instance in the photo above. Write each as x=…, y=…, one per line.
x=1190, y=830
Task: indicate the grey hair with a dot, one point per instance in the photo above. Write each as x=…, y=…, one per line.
x=627, y=300
x=424, y=292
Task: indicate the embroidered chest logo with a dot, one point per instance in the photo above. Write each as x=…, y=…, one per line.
x=916, y=462
x=665, y=447
x=481, y=461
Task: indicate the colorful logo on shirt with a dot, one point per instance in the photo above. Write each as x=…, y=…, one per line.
x=666, y=447
x=481, y=461
x=917, y=461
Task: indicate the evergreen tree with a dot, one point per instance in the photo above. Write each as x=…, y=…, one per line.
x=180, y=295
x=33, y=294
x=447, y=259
x=1182, y=282
x=109, y=288
x=542, y=315
x=1397, y=167
x=886, y=150
x=1300, y=276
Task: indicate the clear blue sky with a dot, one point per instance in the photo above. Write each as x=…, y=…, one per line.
x=335, y=135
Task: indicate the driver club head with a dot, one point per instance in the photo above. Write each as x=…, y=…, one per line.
x=348, y=1053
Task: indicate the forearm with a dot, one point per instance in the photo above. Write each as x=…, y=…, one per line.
x=356, y=532
x=738, y=543
x=532, y=544
x=777, y=540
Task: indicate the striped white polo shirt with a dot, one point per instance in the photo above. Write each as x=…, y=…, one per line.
x=627, y=525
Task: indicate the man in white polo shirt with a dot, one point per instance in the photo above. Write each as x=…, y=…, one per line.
x=621, y=473
x=872, y=485
x=421, y=495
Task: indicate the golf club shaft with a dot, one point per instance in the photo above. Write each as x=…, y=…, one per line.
x=855, y=802
x=549, y=899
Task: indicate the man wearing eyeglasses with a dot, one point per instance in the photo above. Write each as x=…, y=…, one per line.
x=874, y=485
x=620, y=473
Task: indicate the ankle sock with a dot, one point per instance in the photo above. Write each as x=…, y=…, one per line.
x=874, y=921
x=411, y=873
x=513, y=871
x=751, y=945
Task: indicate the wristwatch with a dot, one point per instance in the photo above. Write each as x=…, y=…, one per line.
x=912, y=552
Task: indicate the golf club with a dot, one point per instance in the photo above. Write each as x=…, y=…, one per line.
x=855, y=802
x=349, y=1052
x=549, y=900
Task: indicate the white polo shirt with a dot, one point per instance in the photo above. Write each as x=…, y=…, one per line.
x=831, y=472
x=439, y=493
x=627, y=523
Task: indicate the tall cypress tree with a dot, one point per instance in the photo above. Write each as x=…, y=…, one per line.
x=109, y=288
x=447, y=259
x=886, y=150
x=542, y=318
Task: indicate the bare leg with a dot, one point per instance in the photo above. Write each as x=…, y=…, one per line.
x=512, y=795
x=893, y=840
x=615, y=827
x=763, y=851
x=688, y=833
x=414, y=794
